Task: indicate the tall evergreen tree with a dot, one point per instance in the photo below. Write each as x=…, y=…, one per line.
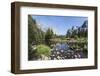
x=49, y=35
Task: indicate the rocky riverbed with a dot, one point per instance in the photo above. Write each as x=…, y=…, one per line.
x=63, y=51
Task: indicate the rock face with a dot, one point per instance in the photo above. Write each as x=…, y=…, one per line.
x=66, y=53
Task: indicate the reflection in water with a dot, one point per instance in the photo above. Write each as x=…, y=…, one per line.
x=61, y=46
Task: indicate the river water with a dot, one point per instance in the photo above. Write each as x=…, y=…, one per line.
x=63, y=51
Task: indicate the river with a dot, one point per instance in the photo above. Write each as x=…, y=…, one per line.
x=63, y=51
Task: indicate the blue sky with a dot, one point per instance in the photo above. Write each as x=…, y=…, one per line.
x=59, y=24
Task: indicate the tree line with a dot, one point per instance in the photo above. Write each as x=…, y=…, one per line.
x=36, y=36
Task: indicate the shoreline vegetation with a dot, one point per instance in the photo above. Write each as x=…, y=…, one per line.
x=50, y=46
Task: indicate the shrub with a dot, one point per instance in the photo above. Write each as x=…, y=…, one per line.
x=85, y=49
x=43, y=50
